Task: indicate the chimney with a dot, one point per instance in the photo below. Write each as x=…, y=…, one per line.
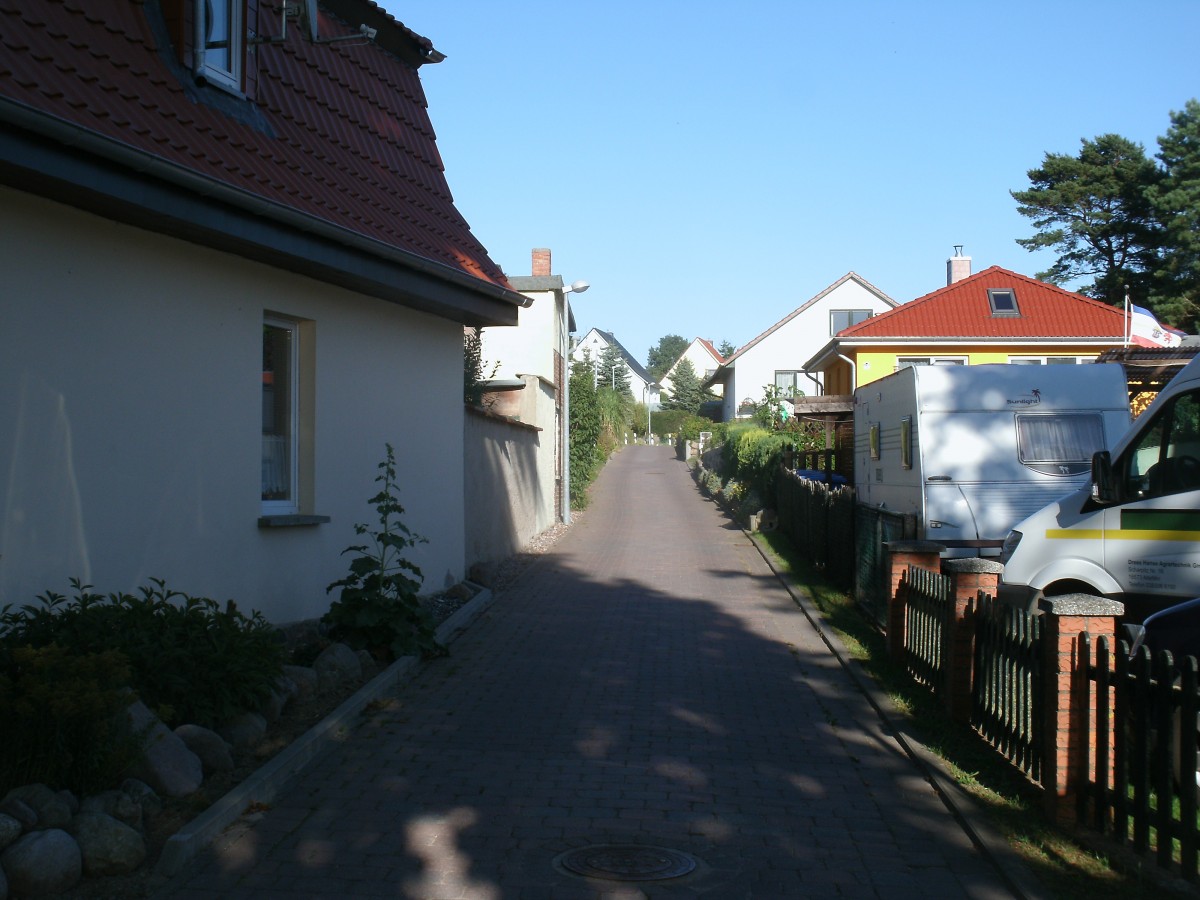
x=958, y=266
x=541, y=261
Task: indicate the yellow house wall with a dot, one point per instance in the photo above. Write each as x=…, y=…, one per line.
x=872, y=365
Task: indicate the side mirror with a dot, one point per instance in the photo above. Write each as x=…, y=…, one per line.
x=1104, y=486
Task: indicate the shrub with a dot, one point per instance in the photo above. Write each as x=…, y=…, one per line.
x=189, y=659
x=64, y=721
x=378, y=609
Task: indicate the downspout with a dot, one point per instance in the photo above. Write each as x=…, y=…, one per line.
x=853, y=371
x=813, y=378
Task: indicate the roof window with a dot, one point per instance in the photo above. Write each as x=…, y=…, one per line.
x=219, y=42
x=1003, y=302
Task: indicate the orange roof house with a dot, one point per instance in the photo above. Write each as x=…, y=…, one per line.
x=995, y=316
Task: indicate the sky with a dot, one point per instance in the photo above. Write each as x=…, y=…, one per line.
x=708, y=167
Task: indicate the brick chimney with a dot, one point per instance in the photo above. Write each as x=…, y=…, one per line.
x=958, y=266
x=541, y=261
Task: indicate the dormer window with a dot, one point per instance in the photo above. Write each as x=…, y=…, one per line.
x=1003, y=302
x=219, y=42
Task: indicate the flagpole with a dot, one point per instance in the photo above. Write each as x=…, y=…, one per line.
x=1128, y=322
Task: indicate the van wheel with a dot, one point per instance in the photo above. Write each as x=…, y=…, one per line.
x=1059, y=588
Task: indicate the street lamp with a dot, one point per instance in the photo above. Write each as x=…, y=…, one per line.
x=646, y=399
x=614, y=375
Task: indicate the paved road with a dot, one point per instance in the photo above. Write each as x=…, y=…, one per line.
x=648, y=682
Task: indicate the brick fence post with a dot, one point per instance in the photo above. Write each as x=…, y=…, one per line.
x=901, y=555
x=967, y=578
x=1068, y=752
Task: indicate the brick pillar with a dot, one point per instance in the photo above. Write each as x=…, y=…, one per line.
x=1069, y=750
x=901, y=555
x=967, y=577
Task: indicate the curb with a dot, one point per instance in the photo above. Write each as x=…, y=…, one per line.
x=266, y=782
x=962, y=805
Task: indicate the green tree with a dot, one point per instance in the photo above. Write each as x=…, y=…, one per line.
x=1176, y=202
x=613, y=371
x=686, y=392
x=1094, y=211
x=584, y=428
x=726, y=349
x=664, y=354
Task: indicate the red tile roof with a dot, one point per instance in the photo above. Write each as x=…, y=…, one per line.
x=962, y=310
x=339, y=132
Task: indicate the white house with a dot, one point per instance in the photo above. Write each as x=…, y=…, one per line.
x=777, y=356
x=533, y=358
x=704, y=359
x=641, y=385
x=218, y=309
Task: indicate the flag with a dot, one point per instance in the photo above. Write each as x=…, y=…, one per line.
x=1144, y=330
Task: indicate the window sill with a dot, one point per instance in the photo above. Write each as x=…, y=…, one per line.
x=291, y=521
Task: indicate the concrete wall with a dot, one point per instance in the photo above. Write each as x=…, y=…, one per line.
x=130, y=420
x=505, y=502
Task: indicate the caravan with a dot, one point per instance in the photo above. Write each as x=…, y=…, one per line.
x=1131, y=532
x=969, y=451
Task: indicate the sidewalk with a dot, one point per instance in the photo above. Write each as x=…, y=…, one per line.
x=647, y=684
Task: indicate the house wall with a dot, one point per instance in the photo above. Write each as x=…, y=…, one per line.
x=506, y=503
x=792, y=344
x=130, y=426
x=528, y=348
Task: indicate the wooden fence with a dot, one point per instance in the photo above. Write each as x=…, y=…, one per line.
x=819, y=522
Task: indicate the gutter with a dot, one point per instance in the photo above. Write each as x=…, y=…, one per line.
x=71, y=135
x=853, y=371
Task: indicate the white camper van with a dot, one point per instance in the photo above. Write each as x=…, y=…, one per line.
x=971, y=450
x=1132, y=532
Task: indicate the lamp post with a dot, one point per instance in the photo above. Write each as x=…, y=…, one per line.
x=576, y=287
x=613, y=373
x=646, y=399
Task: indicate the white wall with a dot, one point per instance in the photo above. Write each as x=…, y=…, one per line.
x=792, y=344
x=130, y=422
x=528, y=347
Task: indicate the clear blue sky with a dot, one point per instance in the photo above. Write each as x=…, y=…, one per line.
x=708, y=167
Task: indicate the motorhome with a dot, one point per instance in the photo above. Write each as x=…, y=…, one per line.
x=1133, y=531
x=969, y=451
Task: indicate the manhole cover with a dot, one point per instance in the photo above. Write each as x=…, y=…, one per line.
x=624, y=862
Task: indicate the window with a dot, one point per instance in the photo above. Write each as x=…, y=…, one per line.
x=906, y=442
x=788, y=383
x=874, y=440
x=1166, y=458
x=844, y=318
x=1049, y=360
x=280, y=408
x=903, y=362
x=1059, y=444
x=1003, y=302
x=219, y=39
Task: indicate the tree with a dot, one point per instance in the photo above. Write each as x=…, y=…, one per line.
x=1176, y=202
x=1094, y=210
x=663, y=355
x=584, y=429
x=613, y=372
x=726, y=349
x=686, y=392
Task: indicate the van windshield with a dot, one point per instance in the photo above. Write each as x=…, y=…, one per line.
x=1064, y=441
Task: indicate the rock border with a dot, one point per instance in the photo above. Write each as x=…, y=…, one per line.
x=264, y=784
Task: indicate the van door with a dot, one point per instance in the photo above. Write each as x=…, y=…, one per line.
x=1152, y=539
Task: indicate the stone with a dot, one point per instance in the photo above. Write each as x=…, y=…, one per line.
x=43, y=862
x=365, y=660
x=25, y=814
x=244, y=730
x=284, y=691
x=485, y=573
x=10, y=830
x=336, y=665
x=107, y=847
x=304, y=678
x=117, y=804
x=167, y=765
x=143, y=795
x=53, y=809
x=214, y=751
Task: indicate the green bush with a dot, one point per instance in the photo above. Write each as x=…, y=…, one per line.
x=64, y=721
x=752, y=454
x=378, y=609
x=189, y=659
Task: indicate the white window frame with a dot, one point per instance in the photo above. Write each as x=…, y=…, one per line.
x=1050, y=360
x=290, y=505
x=796, y=375
x=903, y=362
x=205, y=67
